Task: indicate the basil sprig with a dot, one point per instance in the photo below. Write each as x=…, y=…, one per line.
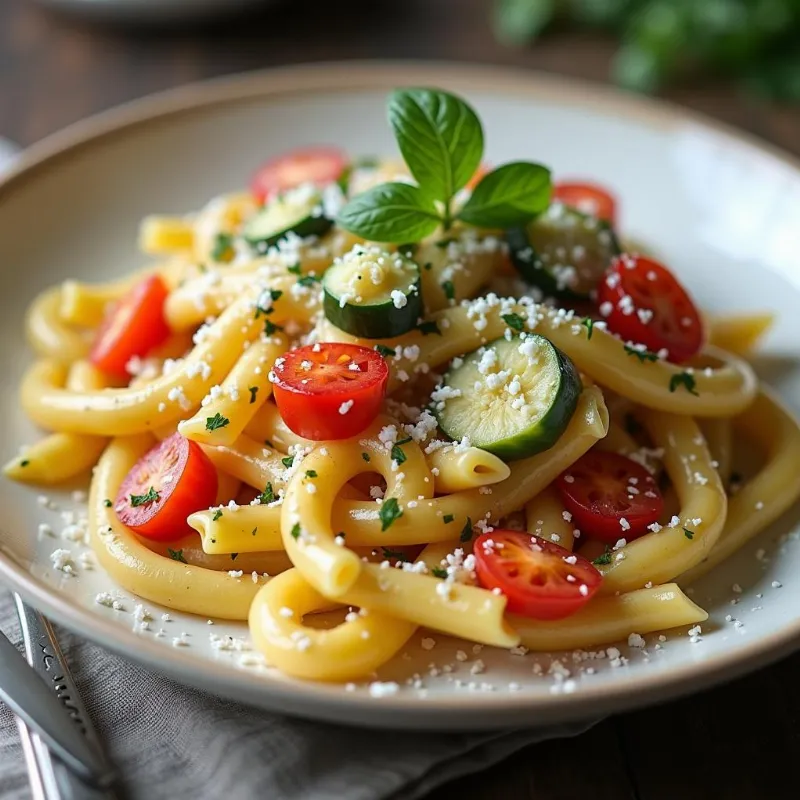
x=441, y=140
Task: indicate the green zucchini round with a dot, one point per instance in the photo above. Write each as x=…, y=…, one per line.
x=296, y=212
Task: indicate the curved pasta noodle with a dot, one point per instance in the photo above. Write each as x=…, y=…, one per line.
x=85, y=304
x=138, y=569
x=252, y=463
x=718, y=433
x=767, y=494
x=48, y=335
x=114, y=412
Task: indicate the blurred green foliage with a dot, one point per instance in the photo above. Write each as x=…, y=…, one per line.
x=756, y=42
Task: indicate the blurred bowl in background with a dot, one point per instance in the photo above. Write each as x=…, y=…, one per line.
x=152, y=12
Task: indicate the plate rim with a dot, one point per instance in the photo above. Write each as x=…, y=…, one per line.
x=311, y=699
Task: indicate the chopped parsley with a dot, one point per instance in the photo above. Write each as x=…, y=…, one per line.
x=604, y=558
x=688, y=534
x=397, y=451
x=466, y=531
x=439, y=572
x=217, y=515
x=449, y=290
x=296, y=530
x=442, y=243
x=448, y=518
x=684, y=379
x=234, y=556
x=253, y=392
x=287, y=461
x=514, y=321
x=385, y=351
x=311, y=473
x=308, y=280
x=407, y=250
x=365, y=456
x=152, y=496
x=588, y=323
x=427, y=266
x=398, y=554
x=176, y=555
x=216, y=422
x=24, y=462
x=267, y=496
x=390, y=511
x=254, y=531
x=223, y=247
x=107, y=503
x=267, y=442
x=294, y=269
x=265, y=312
x=271, y=327
x=642, y=355
x=426, y=328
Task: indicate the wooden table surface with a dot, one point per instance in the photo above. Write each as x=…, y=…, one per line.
x=735, y=741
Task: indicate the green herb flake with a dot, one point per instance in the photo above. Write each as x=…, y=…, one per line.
x=152, y=496
x=686, y=380
x=448, y=518
x=107, y=503
x=296, y=530
x=267, y=496
x=294, y=269
x=254, y=531
x=439, y=572
x=365, y=456
x=466, y=531
x=642, y=355
x=253, y=392
x=390, y=511
x=223, y=247
x=385, y=351
x=445, y=243
x=407, y=250
x=398, y=554
x=271, y=327
x=426, y=328
x=588, y=323
x=287, y=461
x=397, y=451
x=234, y=556
x=604, y=558
x=688, y=534
x=449, y=290
x=311, y=473
x=176, y=555
x=308, y=280
x=514, y=321
x=24, y=462
x=427, y=266
x=217, y=515
x=216, y=422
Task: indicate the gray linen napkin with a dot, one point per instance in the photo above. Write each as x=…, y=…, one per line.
x=170, y=741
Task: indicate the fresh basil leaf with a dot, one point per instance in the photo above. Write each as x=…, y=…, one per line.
x=440, y=137
x=518, y=21
x=391, y=212
x=509, y=196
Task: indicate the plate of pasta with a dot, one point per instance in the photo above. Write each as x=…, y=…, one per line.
x=406, y=395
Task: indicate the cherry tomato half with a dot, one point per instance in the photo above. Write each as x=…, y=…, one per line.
x=166, y=485
x=601, y=490
x=329, y=390
x=540, y=579
x=483, y=170
x=132, y=327
x=659, y=312
x=317, y=165
x=588, y=198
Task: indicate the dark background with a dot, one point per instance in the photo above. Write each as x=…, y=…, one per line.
x=738, y=741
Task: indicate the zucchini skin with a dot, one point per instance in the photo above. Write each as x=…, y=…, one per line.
x=378, y=320
x=519, y=245
x=308, y=226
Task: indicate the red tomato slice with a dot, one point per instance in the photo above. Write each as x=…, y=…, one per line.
x=643, y=302
x=540, y=579
x=601, y=490
x=317, y=165
x=588, y=198
x=132, y=327
x=169, y=482
x=483, y=170
x=329, y=390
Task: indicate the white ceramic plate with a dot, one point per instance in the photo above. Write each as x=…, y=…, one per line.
x=720, y=209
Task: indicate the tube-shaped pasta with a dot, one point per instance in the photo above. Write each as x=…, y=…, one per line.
x=771, y=491
x=609, y=619
x=247, y=529
x=267, y=425
x=545, y=517
x=136, y=568
x=306, y=518
x=160, y=235
x=716, y=392
x=659, y=557
x=48, y=335
x=351, y=650
x=618, y=441
x=739, y=333
x=61, y=456
x=227, y=486
x=125, y=411
x=456, y=469
x=241, y=394
x=85, y=304
x=718, y=432
x=249, y=461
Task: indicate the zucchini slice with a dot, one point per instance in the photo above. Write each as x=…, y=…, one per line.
x=564, y=251
x=372, y=293
x=299, y=211
x=513, y=397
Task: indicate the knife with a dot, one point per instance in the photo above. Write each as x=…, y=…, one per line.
x=48, y=702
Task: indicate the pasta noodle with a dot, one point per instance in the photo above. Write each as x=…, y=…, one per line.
x=412, y=518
